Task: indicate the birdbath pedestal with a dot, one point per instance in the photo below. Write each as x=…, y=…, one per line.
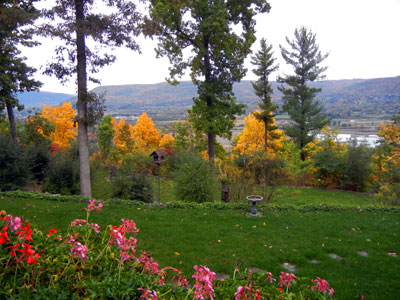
x=254, y=199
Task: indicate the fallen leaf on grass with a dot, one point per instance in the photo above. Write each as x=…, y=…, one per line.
x=177, y=253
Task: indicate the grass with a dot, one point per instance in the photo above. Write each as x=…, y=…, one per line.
x=102, y=189
x=222, y=239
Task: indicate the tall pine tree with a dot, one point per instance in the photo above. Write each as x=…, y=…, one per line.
x=16, y=18
x=298, y=95
x=85, y=33
x=264, y=62
x=206, y=28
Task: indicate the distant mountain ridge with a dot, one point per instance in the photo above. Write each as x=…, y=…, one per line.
x=163, y=101
x=38, y=99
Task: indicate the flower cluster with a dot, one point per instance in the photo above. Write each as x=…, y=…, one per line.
x=92, y=206
x=21, y=251
x=241, y=293
x=81, y=222
x=148, y=294
x=203, y=287
x=77, y=249
x=118, y=235
x=285, y=279
x=322, y=286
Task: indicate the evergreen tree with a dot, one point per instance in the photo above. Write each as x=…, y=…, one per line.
x=105, y=134
x=265, y=65
x=75, y=23
x=15, y=76
x=206, y=28
x=298, y=96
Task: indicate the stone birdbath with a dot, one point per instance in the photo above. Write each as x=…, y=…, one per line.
x=254, y=199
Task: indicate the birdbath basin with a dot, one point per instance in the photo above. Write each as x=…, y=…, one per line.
x=254, y=199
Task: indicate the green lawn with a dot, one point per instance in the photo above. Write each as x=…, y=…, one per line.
x=222, y=239
x=102, y=189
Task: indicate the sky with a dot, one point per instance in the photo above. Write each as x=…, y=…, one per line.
x=361, y=36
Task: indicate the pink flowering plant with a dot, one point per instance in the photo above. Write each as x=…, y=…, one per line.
x=104, y=263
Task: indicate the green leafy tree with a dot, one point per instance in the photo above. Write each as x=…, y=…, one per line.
x=75, y=23
x=264, y=62
x=298, y=95
x=218, y=51
x=16, y=18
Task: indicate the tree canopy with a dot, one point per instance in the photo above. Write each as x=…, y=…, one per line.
x=209, y=29
x=86, y=34
x=298, y=96
x=264, y=62
x=15, y=76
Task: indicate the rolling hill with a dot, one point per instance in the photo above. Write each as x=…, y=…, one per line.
x=165, y=102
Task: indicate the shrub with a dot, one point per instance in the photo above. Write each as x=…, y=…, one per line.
x=63, y=175
x=357, y=168
x=193, y=179
x=13, y=166
x=139, y=162
x=134, y=187
x=38, y=158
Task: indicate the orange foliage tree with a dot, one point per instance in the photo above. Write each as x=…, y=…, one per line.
x=63, y=118
x=123, y=135
x=167, y=143
x=386, y=163
x=145, y=133
x=251, y=139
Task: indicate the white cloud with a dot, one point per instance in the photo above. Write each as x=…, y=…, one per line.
x=361, y=36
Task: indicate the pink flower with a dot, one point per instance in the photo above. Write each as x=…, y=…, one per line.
x=270, y=278
x=128, y=226
x=78, y=249
x=241, y=293
x=95, y=226
x=286, y=279
x=203, y=286
x=92, y=206
x=331, y=291
x=14, y=223
x=147, y=294
x=77, y=222
x=322, y=286
x=148, y=264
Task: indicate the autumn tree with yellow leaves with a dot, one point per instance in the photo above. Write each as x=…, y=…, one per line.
x=252, y=138
x=145, y=133
x=124, y=139
x=386, y=162
x=63, y=118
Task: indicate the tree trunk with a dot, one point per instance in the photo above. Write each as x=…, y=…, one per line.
x=265, y=135
x=84, y=167
x=210, y=134
x=13, y=128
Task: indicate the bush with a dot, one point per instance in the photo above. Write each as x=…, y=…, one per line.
x=13, y=166
x=357, y=168
x=134, y=187
x=38, y=158
x=63, y=175
x=193, y=180
x=139, y=162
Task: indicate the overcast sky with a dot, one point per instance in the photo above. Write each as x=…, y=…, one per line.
x=362, y=37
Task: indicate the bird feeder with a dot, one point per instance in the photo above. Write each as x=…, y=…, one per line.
x=158, y=156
